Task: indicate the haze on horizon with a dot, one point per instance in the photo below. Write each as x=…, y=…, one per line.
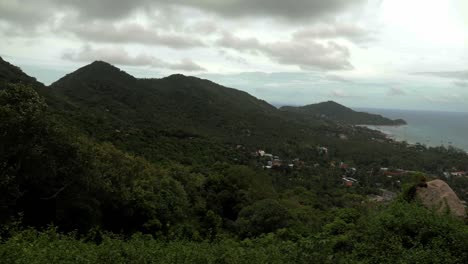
x=409, y=54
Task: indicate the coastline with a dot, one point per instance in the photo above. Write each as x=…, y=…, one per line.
x=429, y=128
x=404, y=138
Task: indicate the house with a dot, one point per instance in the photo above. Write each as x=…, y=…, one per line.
x=268, y=155
x=298, y=163
x=347, y=182
x=322, y=150
x=458, y=173
x=276, y=163
x=352, y=179
x=343, y=166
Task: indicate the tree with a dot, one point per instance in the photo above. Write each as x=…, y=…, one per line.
x=263, y=216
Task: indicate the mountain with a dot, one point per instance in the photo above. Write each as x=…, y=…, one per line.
x=177, y=102
x=176, y=114
x=10, y=73
x=333, y=111
x=160, y=117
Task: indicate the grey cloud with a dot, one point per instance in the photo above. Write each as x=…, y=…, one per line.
x=241, y=44
x=203, y=27
x=337, y=78
x=103, y=9
x=132, y=33
x=236, y=59
x=461, y=75
x=308, y=55
x=34, y=11
x=122, y=57
x=395, y=91
x=292, y=10
x=340, y=94
x=25, y=16
x=351, y=32
x=461, y=83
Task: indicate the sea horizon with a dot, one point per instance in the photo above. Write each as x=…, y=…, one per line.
x=427, y=127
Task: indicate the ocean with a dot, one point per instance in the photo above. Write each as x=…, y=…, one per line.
x=426, y=127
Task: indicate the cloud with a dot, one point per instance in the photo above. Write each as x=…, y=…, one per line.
x=445, y=99
x=25, y=15
x=291, y=10
x=132, y=33
x=232, y=58
x=351, y=32
x=461, y=75
x=395, y=91
x=122, y=57
x=102, y=9
x=169, y=24
x=111, y=55
x=32, y=12
x=340, y=93
x=308, y=55
x=461, y=83
x=228, y=40
x=186, y=65
x=337, y=78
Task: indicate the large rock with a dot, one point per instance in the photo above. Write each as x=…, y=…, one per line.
x=439, y=196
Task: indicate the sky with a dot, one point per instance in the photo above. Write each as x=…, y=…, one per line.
x=405, y=54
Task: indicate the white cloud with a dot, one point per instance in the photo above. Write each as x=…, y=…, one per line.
x=122, y=57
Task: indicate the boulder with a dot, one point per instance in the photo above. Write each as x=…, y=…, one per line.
x=439, y=196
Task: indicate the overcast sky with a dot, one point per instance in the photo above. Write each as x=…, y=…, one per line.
x=409, y=54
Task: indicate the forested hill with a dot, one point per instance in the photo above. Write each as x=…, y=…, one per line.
x=336, y=112
x=10, y=73
x=177, y=102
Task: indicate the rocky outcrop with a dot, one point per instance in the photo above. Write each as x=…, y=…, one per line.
x=439, y=196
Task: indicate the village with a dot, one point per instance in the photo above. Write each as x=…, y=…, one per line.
x=387, y=180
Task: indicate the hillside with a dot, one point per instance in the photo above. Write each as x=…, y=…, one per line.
x=336, y=112
x=10, y=73
x=175, y=103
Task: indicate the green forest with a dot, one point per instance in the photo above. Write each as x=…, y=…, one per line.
x=102, y=167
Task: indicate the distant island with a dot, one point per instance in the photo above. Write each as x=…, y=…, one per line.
x=336, y=112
